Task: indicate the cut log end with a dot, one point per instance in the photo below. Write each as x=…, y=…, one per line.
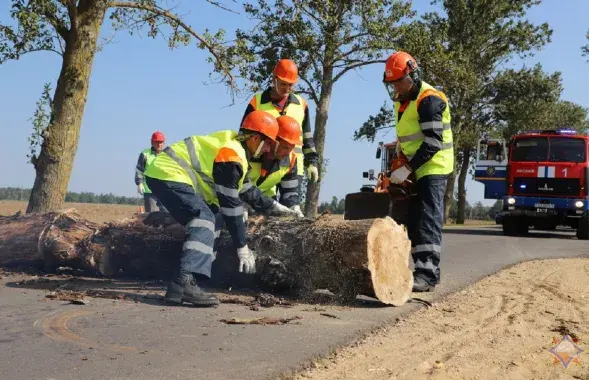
x=388, y=261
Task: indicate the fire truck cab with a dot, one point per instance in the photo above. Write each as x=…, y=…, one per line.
x=542, y=180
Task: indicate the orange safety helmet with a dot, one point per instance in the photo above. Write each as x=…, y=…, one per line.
x=287, y=71
x=289, y=130
x=158, y=137
x=399, y=65
x=261, y=122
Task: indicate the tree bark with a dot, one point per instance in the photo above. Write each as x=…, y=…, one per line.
x=294, y=256
x=465, y=164
x=53, y=167
x=313, y=189
x=449, y=195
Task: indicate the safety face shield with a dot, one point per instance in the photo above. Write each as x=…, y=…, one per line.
x=399, y=88
x=259, y=149
x=283, y=89
x=283, y=149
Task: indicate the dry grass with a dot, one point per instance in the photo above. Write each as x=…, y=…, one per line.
x=94, y=212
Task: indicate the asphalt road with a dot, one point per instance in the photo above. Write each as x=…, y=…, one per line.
x=123, y=339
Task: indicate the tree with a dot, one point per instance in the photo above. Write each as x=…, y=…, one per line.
x=460, y=53
x=585, y=49
x=71, y=28
x=520, y=100
x=529, y=99
x=327, y=40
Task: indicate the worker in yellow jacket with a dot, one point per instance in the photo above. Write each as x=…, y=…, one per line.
x=275, y=173
x=202, y=182
x=279, y=100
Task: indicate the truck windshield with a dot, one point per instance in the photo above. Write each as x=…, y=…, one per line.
x=530, y=149
x=567, y=150
x=541, y=149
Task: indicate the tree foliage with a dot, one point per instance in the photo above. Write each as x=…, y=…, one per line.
x=48, y=25
x=40, y=121
x=585, y=49
x=71, y=28
x=20, y=194
x=327, y=40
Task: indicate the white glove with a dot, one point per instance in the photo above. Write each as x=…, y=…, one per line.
x=140, y=188
x=398, y=148
x=297, y=209
x=245, y=215
x=313, y=173
x=279, y=210
x=400, y=175
x=247, y=260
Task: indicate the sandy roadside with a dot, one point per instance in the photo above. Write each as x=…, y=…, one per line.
x=499, y=328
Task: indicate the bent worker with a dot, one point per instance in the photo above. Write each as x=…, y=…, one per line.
x=145, y=159
x=202, y=181
x=276, y=172
x=422, y=116
x=279, y=100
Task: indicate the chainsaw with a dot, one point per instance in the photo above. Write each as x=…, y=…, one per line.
x=400, y=191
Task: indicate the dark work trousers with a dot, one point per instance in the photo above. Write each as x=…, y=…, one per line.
x=203, y=223
x=425, y=223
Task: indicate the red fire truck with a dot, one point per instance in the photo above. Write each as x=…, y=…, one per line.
x=543, y=180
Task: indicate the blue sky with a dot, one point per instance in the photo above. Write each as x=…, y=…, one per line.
x=139, y=86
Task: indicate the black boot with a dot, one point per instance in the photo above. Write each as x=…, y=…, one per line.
x=183, y=288
x=420, y=284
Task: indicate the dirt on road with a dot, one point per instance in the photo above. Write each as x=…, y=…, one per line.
x=502, y=327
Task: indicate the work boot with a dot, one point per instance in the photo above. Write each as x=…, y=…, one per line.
x=183, y=288
x=420, y=284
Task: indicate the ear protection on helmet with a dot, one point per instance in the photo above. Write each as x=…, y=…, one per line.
x=415, y=72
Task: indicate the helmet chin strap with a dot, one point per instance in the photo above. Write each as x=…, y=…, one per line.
x=258, y=152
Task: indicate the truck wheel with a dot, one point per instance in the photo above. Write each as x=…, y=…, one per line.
x=522, y=227
x=509, y=226
x=583, y=228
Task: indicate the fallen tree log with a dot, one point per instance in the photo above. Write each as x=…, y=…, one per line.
x=293, y=255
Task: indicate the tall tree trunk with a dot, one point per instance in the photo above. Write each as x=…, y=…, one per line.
x=462, y=186
x=312, y=196
x=449, y=195
x=53, y=167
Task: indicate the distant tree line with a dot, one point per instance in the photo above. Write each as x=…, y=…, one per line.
x=476, y=212
x=20, y=194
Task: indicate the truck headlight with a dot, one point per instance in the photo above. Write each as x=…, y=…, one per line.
x=511, y=201
x=579, y=204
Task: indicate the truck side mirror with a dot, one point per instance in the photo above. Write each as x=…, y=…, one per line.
x=364, y=174
x=378, y=153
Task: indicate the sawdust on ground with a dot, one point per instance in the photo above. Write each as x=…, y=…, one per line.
x=499, y=328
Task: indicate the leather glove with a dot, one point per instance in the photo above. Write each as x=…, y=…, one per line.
x=247, y=260
x=297, y=209
x=280, y=210
x=400, y=175
x=140, y=188
x=313, y=173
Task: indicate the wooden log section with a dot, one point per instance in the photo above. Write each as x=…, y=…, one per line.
x=297, y=256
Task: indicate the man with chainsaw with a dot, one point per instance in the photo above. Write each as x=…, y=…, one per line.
x=202, y=182
x=277, y=169
x=279, y=100
x=422, y=116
